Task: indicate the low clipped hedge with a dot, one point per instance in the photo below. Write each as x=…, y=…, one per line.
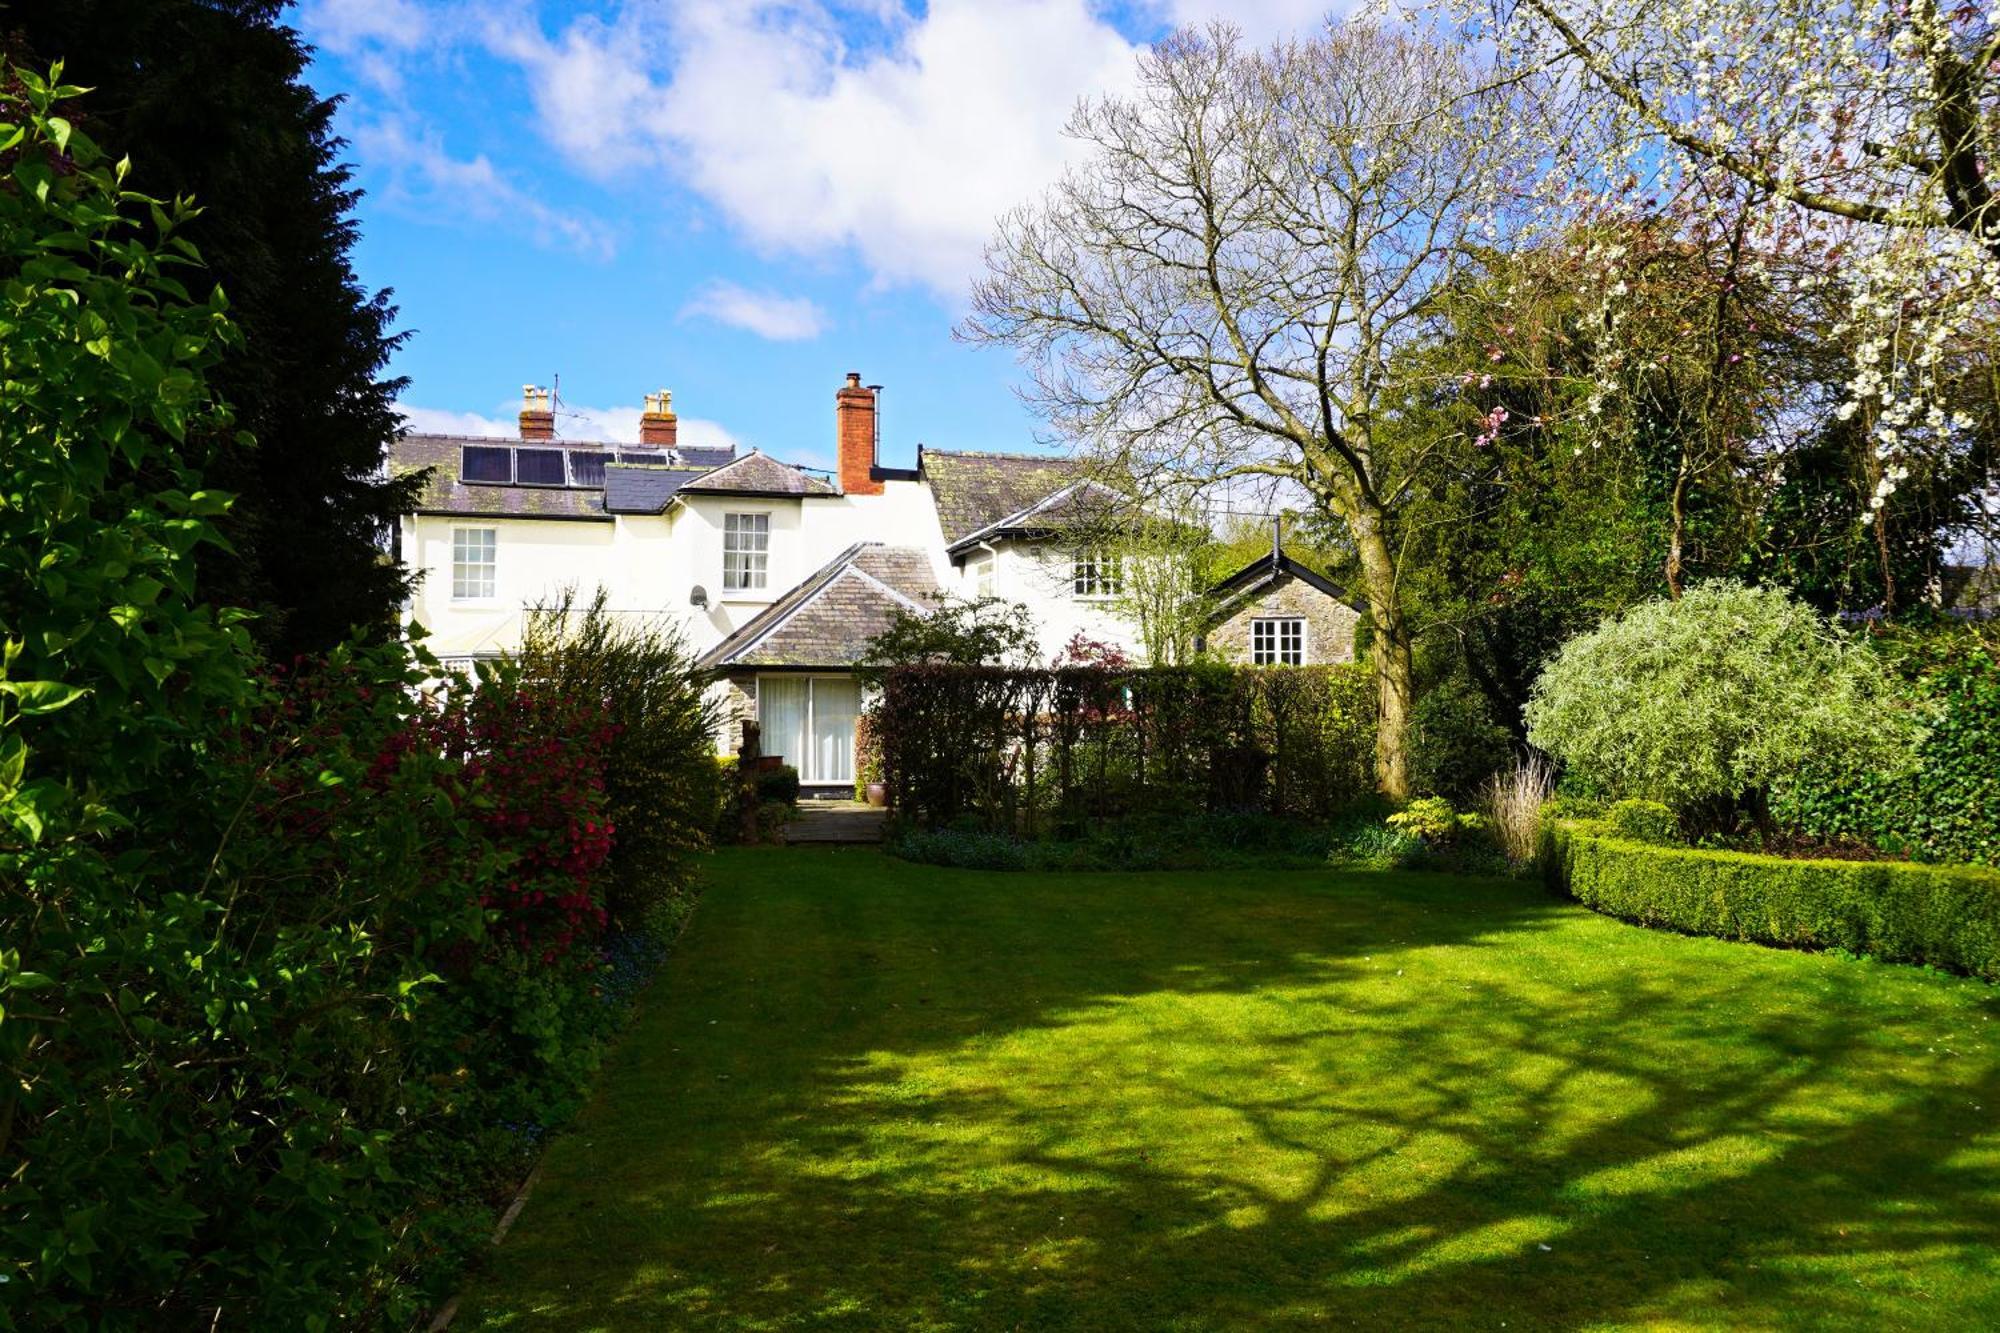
x=1899, y=911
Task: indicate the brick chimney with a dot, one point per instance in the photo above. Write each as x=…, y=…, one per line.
x=538, y=417
x=854, y=435
x=658, y=424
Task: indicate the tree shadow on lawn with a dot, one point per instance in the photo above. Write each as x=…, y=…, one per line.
x=1394, y=1100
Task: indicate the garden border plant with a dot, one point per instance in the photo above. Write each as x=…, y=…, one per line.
x=1944, y=916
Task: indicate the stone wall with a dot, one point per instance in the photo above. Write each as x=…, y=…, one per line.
x=1329, y=622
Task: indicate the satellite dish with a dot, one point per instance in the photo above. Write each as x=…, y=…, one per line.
x=699, y=597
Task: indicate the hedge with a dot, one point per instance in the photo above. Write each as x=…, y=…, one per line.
x=1033, y=751
x=1898, y=911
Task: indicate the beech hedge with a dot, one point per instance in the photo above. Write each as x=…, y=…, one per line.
x=1899, y=911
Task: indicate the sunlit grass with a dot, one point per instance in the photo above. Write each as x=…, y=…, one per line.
x=873, y=1095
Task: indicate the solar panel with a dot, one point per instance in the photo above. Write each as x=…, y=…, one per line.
x=586, y=467
x=486, y=463
x=654, y=456
x=540, y=467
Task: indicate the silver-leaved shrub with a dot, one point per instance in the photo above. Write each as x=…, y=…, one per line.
x=1714, y=699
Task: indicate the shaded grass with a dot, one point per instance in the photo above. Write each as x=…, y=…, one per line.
x=869, y=1094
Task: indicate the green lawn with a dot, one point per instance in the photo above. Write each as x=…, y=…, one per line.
x=872, y=1095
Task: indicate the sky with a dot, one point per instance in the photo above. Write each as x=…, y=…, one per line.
x=736, y=200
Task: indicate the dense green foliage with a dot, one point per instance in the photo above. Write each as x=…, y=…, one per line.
x=1945, y=916
x=981, y=631
x=872, y=1095
x=660, y=776
x=1061, y=750
x=1944, y=807
x=1643, y=821
x=208, y=99
x=297, y=963
x=777, y=786
x=1708, y=701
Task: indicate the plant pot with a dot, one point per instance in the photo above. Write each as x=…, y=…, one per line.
x=877, y=793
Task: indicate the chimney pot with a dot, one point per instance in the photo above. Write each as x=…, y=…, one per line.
x=538, y=418
x=657, y=424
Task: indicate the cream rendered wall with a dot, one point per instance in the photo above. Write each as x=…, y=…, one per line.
x=533, y=560
x=1040, y=576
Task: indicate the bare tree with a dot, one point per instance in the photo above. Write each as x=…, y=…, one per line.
x=1219, y=288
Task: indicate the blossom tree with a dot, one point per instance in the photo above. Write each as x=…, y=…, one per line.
x=1840, y=149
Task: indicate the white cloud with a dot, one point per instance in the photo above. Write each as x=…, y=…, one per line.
x=901, y=146
x=905, y=153
x=442, y=421
x=764, y=313
x=427, y=181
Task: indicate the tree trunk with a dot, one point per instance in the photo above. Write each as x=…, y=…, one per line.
x=1395, y=674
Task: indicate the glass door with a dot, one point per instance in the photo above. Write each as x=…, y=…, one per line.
x=781, y=713
x=810, y=720
x=836, y=702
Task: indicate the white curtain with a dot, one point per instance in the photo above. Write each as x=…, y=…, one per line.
x=835, y=705
x=781, y=712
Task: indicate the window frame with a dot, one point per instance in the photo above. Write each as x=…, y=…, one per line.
x=1276, y=627
x=755, y=572
x=491, y=564
x=1089, y=581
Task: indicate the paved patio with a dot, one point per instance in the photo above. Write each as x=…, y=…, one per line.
x=835, y=822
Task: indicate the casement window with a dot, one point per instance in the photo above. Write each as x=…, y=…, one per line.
x=982, y=578
x=1278, y=642
x=474, y=560
x=1098, y=573
x=746, y=551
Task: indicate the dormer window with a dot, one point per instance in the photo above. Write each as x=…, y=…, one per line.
x=1098, y=573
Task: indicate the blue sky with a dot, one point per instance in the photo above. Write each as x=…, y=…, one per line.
x=738, y=200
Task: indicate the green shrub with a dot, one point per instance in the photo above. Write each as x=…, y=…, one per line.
x=639, y=678
x=1429, y=819
x=777, y=786
x=1643, y=821
x=294, y=965
x=1713, y=699
x=1945, y=806
x=963, y=849
x=1378, y=846
x=1456, y=746
x=1944, y=916
x=771, y=818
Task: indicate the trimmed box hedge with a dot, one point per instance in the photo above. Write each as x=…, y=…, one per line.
x=1899, y=911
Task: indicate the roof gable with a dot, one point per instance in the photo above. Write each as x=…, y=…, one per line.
x=757, y=473
x=974, y=491
x=828, y=618
x=1262, y=573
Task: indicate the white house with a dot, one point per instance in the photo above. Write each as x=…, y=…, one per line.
x=776, y=574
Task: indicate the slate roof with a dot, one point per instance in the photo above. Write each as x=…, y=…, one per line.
x=444, y=493
x=628, y=488
x=1260, y=574
x=757, y=473
x=974, y=491
x=828, y=619
x=696, y=455
x=643, y=489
